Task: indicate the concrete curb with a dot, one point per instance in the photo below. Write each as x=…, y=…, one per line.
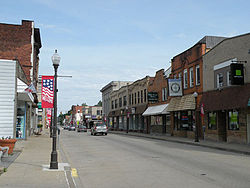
x=186, y=142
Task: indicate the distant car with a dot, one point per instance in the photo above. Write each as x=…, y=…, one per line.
x=66, y=127
x=72, y=128
x=81, y=128
x=99, y=128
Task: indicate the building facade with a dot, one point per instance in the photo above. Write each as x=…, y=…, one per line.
x=22, y=43
x=106, y=91
x=227, y=106
x=156, y=115
x=187, y=67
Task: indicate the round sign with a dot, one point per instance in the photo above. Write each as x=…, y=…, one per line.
x=175, y=87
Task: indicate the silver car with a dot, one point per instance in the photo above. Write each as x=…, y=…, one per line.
x=99, y=128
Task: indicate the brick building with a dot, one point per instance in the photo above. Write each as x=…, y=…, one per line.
x=156, y=115
x=188, y=67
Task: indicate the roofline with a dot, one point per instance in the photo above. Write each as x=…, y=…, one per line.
x=237, y=36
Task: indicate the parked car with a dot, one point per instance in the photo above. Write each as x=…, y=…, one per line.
x=72, y=128
x=81, y=128
x=99, y=128
x=66, y=127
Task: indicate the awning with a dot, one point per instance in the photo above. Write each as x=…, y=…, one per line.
x=227, y=98
x=25, y=96
x=156, y=110
x=186, y=102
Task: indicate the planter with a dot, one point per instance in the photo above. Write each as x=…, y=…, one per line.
x=8, y=142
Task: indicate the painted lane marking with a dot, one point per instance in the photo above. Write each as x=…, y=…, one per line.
x=74, y=172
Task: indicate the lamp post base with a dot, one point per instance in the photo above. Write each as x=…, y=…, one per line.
x=53, y=163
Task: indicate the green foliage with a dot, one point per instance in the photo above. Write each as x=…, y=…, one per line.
x=39, y=126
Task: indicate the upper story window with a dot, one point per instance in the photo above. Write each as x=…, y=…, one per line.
x=138, y=97
x=164, y=94
x=129, y=99
x=145, y=95
x=191, y=76
x=198, y=76
x=112, y=104
x=141, y=96
x=132, y=99
x=120, y=102
x=175, y=76
x=124, y=100
x=179, y=75
x=229, y=78
x=116, y=105
x=185, y=79
x=135, y=97
x=219, y=80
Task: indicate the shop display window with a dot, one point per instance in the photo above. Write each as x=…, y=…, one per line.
x=184, y=120
x=156, y=120
x=212, y=120
x=233, y=123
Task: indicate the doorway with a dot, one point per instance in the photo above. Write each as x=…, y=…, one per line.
x=222, y=126
x=248, y=128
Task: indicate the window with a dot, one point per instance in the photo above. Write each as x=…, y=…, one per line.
x=112, y=104
x=145, y=95
x=124, y=100
x=179, y=75
x=98, y=112
x=191, y=77
x=229, y=78
x=138, y=97
x=219, y=80
x=212, y=120
x=132, y=98
x=156, y=120
x=135, y=97
x=185, y=78
x=129, y=99
x=164, y=94
x=120, y=102
x=198, y=76
x=233, y=123
x=183, y=120
x=116, y=103
x=141, y=96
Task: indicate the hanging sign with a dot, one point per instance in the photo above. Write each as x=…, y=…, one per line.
x=175, y=87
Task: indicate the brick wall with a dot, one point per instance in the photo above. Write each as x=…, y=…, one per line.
x=15, y=43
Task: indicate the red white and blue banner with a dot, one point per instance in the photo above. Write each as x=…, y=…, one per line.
x=47, y=91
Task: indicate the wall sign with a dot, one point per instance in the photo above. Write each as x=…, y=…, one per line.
x=175, y=87
x=152, y=96
x=237, y=74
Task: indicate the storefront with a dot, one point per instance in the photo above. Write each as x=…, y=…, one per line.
x=183, y=116
x=226, y=114
x=158, y=118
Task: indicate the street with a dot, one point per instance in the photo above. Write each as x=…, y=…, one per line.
x=123, y=161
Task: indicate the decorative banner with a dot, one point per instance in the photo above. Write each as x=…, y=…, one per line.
x=49, y=114
x=31, y=89
x=175, y=87
x=202, y=109
x=47, y=91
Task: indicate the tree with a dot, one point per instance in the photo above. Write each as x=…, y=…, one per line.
x=84, y=104
x=99, y=103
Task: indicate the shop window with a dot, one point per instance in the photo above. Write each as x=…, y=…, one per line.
x=164, y=94
x=156, y=120
x=212, y=119
x=183, y=120
x=233, y=120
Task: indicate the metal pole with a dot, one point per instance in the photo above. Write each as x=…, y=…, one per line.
x=53, y=162
x=196, y=124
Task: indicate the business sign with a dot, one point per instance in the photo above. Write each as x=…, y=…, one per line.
x=175, y=87
x=237, y=74
x=152, y=96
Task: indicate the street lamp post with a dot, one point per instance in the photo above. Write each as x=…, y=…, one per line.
x=195, y=94
x=53, y=162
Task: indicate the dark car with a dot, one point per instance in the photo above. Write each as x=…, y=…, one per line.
x=81, y=128
x=72, y=128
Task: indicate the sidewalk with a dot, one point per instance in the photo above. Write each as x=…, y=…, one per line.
x=27, y=170
x=231, y=147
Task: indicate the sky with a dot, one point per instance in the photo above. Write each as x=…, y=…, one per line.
x=100, y=41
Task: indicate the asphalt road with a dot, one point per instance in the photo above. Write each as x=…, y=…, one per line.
x=116, y=161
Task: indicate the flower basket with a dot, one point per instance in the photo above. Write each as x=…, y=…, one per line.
x=8, y=142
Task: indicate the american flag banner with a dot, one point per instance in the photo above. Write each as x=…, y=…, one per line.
x=49, y=114
x=47, y=91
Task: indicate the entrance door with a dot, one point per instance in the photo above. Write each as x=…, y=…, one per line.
x=222, y=126
x=248, y=128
